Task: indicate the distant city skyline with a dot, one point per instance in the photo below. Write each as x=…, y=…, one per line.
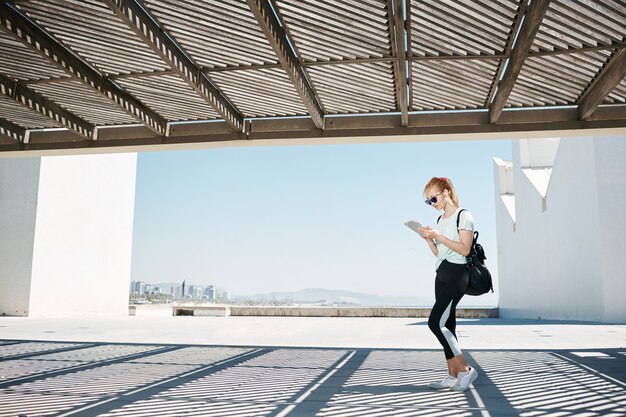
x=308, y=296
x=179, y=290
x=264, y=219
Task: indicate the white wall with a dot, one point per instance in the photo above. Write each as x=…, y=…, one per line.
x=81, y=247
x=560, y=258
x=610, y=153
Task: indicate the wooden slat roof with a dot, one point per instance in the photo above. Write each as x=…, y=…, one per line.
x=258, y=69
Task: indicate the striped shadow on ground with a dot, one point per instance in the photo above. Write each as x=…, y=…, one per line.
x=133, y=380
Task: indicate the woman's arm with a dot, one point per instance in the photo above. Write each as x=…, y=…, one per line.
x=463, y=247
x=432, y=246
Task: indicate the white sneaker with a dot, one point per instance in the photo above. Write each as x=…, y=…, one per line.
x=447, y=382
x=465, y=379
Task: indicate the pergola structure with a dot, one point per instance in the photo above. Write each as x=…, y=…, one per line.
x=102, y=73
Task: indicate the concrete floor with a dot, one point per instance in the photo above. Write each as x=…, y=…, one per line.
x=299, y=367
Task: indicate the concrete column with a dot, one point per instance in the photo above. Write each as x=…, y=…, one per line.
x=66, y=225
x=19, y=185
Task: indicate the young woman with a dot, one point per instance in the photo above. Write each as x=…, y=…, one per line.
x=450, y=246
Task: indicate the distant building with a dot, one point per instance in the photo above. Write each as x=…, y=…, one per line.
x=210, y=293
x=195, y=292
x=137, y=287
x=178, y=292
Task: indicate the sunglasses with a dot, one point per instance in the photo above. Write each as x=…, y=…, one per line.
x=432, y=200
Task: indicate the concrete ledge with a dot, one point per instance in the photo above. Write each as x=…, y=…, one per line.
x=211, y=311
x=150, y=310
x=357, y=312
x=296, y=311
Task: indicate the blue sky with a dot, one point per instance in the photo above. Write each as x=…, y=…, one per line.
x=261, y=219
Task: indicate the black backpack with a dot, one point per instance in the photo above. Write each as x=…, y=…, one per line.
x=479, y=276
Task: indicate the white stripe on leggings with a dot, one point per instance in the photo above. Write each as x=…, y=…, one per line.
x=452, y=342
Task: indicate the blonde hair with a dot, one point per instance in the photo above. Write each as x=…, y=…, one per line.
x=442, y=183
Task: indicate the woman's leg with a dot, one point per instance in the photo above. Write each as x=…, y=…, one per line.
x=465, y=374
x=448, y=297
x=456, y=365
x=436, y=322
x=451, y=323
x=452, y=367
x=450, y=286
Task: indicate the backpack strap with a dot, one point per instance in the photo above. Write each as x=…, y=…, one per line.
x=474, y=235
x=458, y=218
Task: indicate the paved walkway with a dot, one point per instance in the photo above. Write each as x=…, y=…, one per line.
x=59, y=375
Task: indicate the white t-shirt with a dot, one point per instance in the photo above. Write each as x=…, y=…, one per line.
x=447, y=227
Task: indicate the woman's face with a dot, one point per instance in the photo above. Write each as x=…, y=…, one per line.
x=435, y=197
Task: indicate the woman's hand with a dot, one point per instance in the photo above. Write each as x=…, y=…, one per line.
x=428, y=233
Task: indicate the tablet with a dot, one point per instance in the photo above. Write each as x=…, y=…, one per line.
x=413, y=225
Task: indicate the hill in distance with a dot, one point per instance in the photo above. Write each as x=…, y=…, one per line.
x=322, y=295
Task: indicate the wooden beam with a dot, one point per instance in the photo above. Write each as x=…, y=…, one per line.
x=314, y=136
x=409, y=51
x=10, y=129
x=277, y=38
x=40, y=104
x=14, y=22
x=530, y=27
x=340, y=129
x=153, y=34
x=569, y=51
x=507, y=49
x=396, y=30
x=606, y=80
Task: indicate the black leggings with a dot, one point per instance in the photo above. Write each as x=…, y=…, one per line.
x=450, y=285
